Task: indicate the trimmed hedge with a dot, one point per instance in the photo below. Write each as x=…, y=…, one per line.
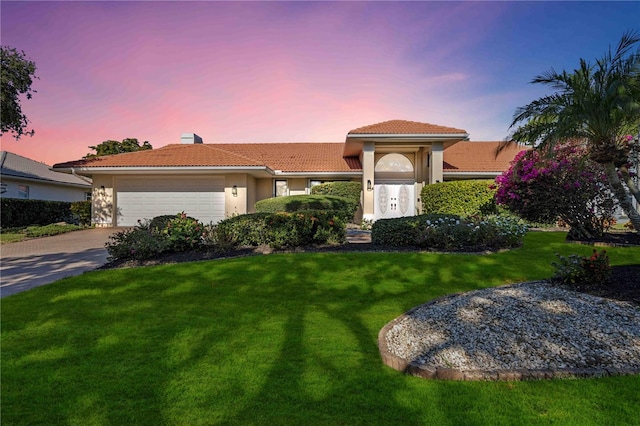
x=280, y=230
x=339, y=206
x=350, y=190
x=82, y=210
x=18, y=212
x=449, y=232
x=463, y=198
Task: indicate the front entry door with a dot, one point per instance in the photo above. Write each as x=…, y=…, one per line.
x=394, y=200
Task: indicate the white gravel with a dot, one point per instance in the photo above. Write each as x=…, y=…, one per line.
x=531, y=325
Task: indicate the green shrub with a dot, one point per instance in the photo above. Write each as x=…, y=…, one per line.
x=340, y=206
x=82, y=210
x=578, y=271
x=280, y=230
x=17, y=212
x=351, y=190
x=179, y=233
x=463, y=198
x=136, y=243
x=183, y=233
x=449, y=232
x=403, y=231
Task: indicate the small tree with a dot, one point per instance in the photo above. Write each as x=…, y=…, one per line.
x=111, y=147
x=565, y=185
x=597, y=103
x=17, y=74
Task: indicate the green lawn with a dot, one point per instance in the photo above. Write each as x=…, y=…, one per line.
x=277, y=339
x=13, y=235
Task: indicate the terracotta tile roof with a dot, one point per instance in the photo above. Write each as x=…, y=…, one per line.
x=288, y=157
x=479, y=157
x=405, y=127
x=298, y=157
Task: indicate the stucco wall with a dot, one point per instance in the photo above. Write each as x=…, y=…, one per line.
x=297, y=186
x=235, y=204
x=44, y=190
x=102, y=206
x=264, y=189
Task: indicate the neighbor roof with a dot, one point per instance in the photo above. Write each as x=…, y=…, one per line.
x=286, y=157
x=404, y=127
x=17, y=166
x=479, y=157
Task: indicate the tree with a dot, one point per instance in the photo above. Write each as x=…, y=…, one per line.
x=16, y=76
x=111, y=147
x=598, y=104
x=566, y=186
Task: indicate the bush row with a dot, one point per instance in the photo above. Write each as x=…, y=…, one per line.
x=181, y=233
x=351, y=190
x=463, y=198
x=449, y=232
x=337, y=205
x=17, y=212
x=280, y=230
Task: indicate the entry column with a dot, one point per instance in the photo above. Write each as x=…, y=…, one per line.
x=368, y=166
x=436, y=162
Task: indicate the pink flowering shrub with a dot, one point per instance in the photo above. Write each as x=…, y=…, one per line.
x=565, y=186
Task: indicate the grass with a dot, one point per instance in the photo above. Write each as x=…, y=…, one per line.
x=12, y=235
x=278, y=339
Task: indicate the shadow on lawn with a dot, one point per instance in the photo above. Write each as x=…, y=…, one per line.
x=289, y=339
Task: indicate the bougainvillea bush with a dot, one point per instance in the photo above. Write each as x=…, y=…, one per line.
x=565, y=184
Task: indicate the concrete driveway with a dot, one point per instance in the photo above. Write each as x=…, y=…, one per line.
x=40, y=261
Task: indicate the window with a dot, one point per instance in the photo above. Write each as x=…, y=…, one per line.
x=23, y=191
x=87, y=196
x=282, y=190
x=394, y=163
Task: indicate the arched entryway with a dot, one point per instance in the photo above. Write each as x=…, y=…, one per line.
x=394, y=187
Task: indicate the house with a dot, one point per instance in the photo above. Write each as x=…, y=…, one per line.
x=393, y=160
x=22, y=177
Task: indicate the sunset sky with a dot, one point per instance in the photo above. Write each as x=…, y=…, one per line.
x=289, y=71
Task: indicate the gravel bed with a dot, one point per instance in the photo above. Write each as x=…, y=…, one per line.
x=526, y=326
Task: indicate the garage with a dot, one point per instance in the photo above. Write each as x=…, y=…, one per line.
x=140, y=198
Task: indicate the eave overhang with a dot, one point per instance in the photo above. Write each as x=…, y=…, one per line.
x=355, y=142
x=89, y=171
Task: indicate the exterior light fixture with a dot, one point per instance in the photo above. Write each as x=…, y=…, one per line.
x=369, y=187
x=234, y=191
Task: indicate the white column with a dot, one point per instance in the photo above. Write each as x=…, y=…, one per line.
x=436, y=163
x=368, y=166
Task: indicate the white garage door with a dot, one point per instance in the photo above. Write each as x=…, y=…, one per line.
x=146, y=198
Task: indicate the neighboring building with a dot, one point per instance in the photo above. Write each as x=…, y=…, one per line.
x=21, y=177
x=393, y=160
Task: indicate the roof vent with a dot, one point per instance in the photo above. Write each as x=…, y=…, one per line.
x=190, y=138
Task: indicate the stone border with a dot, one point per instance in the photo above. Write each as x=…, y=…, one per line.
x=441, y=373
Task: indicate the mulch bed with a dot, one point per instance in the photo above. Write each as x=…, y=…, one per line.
x=624, y=283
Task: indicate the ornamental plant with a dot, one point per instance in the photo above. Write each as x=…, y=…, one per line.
x=184, y=233
x=578, y=271
x=450, y=232
x=563, y=185
x=148, y=239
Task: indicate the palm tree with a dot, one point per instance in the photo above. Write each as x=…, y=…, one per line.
x=598, y=104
